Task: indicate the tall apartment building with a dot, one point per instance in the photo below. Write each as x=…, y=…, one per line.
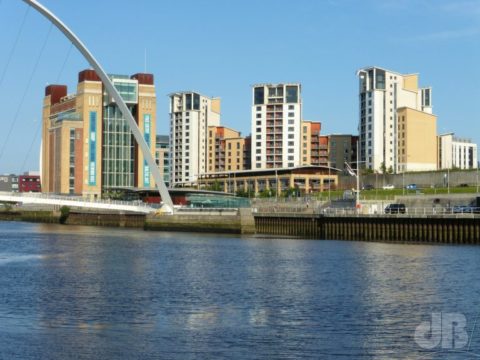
x=226, y=149
x=190, y=116
x=454, y=152
x=87, y=145
x=342, y=148
x=382, y=93
x=276, y=126
x=417, y=140
x=162, y=157
x=310, y=143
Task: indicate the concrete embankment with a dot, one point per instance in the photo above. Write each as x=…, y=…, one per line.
x=226, y=221
x=241, y=222
x=31, y=216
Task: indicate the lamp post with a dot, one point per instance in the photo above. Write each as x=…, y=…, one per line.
x=276, y=185
x=329, y=181
x=448, y=181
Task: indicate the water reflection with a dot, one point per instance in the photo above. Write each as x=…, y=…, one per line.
x=78, y=292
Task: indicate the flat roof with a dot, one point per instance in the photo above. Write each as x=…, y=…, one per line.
x=272, y=170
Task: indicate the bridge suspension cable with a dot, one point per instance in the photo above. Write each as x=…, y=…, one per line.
x=14, y=47
x=39, y=125
x=20, y=105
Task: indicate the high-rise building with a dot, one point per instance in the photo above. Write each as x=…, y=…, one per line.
x=190, y=116
x=417, y=140
x=87, y=145
x=382, y=93
x=342, y=149
x=162, y=157
x=226, y=149
x=276, y=126
x=310, y=143
x=454, y=152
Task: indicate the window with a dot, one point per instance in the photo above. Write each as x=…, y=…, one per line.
x=259, y=129
x=259, y=108
x=259, y=123
x=292, y=94
x=291, y=107
x=259, y=95
x=259, y=116
x=290, y=158
x=259, y=144
x=291, y=128
x=291, y=136
x=259, y=137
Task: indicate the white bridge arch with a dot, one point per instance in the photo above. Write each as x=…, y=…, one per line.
x=167, y=201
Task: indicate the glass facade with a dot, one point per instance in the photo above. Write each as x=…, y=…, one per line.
x=259, y=95
x=196, y=102
x=118, y=149
x=380, y=79
x=92, y=165
x=188, y=102
x=292, y=94
x=128, y=90
x=146, y=134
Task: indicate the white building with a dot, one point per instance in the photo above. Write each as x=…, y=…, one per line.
x=276, y=126
x=381, y=93
x=456, y=153
x=190, y=116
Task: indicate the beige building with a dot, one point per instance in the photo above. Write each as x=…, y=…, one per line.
x=417, y=140
x=382, y=93
x=191, y=114
x=310, y=143
x=87, y=145
x=306, y=179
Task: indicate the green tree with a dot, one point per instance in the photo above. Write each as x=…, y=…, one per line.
x=383, y=167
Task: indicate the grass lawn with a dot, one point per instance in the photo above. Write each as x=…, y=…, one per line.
x=380, y=194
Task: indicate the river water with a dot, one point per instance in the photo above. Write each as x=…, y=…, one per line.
x=99, y=293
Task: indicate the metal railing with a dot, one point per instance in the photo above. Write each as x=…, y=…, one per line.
x=409, y=212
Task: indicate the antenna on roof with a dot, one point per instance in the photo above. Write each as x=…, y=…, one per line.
x=145, y=62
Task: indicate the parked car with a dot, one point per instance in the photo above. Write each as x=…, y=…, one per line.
x=388, y=187
x=395, y=209
x=460, y=209
x=368, y=187
x=411, y=187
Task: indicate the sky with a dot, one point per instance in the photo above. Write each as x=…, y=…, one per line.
x=221, y=48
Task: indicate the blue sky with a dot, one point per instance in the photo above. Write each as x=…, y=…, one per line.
x=222, y=47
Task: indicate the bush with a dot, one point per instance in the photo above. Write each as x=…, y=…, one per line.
x=64, y=212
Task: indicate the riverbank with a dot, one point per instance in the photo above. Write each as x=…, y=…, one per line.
x=430, y=229
x=232, y=222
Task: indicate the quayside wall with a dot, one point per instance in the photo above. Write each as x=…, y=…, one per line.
x=448, y=230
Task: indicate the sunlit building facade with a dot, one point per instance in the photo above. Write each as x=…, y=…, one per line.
x=87, y=145
x=381, y=94
x=191, y=114
x=276, y=126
